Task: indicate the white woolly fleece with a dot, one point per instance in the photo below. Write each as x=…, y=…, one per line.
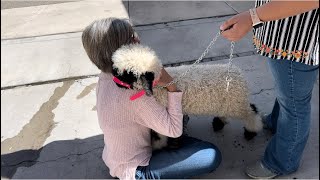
x=204, y=93
x=204, y=87
x=137, y=59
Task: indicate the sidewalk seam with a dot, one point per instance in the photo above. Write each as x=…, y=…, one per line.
x=143, y=25
x=209, y=59
x=231, y=7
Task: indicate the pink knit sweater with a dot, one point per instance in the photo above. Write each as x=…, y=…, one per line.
x=126, y=125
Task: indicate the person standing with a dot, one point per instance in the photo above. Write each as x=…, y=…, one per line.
x=287, y=34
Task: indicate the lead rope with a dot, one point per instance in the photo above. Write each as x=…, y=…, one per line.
x=228, y=78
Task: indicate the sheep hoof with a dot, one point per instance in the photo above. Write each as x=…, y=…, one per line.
x=217, y=124
x=249, y=134
x=254, y=108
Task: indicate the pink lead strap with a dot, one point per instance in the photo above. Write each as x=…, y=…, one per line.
x=135, y=96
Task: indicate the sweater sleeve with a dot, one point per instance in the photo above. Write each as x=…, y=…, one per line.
x=166, y=121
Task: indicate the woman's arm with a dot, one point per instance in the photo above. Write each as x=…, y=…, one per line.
x=166, y=121
x=165, y=79
x=241, y=24
x=276, y=9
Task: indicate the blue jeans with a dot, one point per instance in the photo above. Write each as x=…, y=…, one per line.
x=193, y=158
x=290, y=117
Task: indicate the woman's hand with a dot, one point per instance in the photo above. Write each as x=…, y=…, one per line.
x=165, y=78
x=237, y=26
x=241, y=24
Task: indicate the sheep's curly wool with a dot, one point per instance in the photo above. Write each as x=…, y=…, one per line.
x=137, y=59
x=204, y=93
x=204, y=87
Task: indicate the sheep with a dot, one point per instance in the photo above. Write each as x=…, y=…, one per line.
x=204, y=87
x=204, y=93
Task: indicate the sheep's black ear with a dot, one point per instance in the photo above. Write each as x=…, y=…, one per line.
x=126, y=77
x=147, y=82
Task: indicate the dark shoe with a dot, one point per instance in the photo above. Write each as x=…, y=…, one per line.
x=258, y=171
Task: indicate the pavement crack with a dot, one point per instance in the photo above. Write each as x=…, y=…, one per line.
x=231, y=7
x=174, y=22
x=96, y=140
x=70, y=155
x=51, y=160
x=208, y=59
x=262, y=90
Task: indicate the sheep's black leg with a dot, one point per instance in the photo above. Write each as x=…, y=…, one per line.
x=254, y=108
x=185, y=123
x=175, y=143
x=250, y=134
x=154, y=136
x=217, y=124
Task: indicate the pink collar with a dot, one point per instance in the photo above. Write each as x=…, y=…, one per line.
x=118, y=81
x=135, y=96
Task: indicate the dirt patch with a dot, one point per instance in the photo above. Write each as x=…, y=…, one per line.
x=34, y=134
x=87, y=90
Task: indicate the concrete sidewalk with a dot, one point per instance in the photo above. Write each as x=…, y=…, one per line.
x=64, y=53
x=49, y=126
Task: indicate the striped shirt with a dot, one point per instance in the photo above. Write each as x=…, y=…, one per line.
x=295, y=38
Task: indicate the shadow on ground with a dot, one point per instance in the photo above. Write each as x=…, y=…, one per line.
x=68, y=159
x=58, y=159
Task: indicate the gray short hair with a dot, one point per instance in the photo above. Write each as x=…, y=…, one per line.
x=103, y=37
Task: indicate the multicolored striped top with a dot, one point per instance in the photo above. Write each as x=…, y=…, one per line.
x=295, y=38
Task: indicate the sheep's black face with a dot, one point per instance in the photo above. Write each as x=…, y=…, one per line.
x=126, y=77
x=145, y=81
